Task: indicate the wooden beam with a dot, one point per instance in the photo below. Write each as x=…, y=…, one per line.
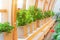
x=3, y=10
x=49, y=4
x=53, y=4
x=13, y=19
x=24, y=4
x=44, y=5
x=41, y=0
x=36, y=3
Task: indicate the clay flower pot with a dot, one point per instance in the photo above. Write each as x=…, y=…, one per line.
x=29, y=28
x=34, y=26
x=22, y=31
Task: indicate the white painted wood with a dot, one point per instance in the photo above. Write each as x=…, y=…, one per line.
x=1, y=36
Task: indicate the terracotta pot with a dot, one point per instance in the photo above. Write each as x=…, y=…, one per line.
x=47, y=19
x=50, y=18
x=43, y=21
x=8, y=36
x=34, y=26
x=40, y=23
x=37, y=23
x=30, y=28
x=1, y=36
x=22, y=31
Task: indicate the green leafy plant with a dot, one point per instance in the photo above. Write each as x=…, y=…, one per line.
x=48, y=13
x=36, y=13
x=52, y=13
x=5, y=27
x=57, y=28
x=23, y=17
x=32, y=10
x=39, y=14
x=58, y=37
x=56, y=34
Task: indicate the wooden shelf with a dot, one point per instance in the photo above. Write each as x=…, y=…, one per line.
x=39, y=31
x=3, y=10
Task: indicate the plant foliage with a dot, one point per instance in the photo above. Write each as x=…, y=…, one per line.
x=23, y=17
x=5, y=27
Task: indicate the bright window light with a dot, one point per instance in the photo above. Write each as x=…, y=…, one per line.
x=30, y=3
x=20, y=3
x=0, y=8
x=0, y=17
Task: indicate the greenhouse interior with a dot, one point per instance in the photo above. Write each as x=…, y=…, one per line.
x=29, y=20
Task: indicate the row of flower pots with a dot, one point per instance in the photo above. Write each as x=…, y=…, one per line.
x=31, y=19
x=24, y=31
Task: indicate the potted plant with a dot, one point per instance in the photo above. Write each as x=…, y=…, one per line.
x=29, y=20
x=42, y=20
x=5, y=28
x=33, y=13
x=39, y=16
x=48, y=14
x=24, y=18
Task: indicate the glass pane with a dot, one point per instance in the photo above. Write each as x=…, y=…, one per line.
x=0, y=8
x=30, y=3
x=20, y=4
x=41, y=4
x=0, y=17
x=0, y=4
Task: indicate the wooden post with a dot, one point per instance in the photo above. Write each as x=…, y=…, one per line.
x=13, y=18
x=36, y=3
x=44, y=5
x=24, y=4
x=49, y=4
x=53, y=4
